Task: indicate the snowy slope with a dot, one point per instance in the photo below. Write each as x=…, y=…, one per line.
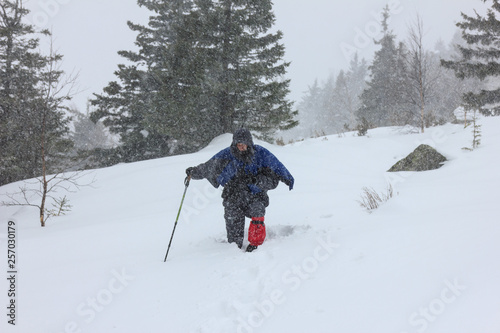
x=425, y=261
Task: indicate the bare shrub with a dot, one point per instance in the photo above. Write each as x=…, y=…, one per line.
x=371, y=199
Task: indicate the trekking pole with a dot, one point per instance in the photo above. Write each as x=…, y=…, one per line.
x=186, y=182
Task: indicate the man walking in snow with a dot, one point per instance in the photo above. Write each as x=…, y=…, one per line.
x=247, y=172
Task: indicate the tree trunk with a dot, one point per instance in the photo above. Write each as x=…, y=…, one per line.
x=44, y=172
x=422, y=111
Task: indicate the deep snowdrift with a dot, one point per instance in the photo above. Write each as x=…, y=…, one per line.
x=425, y=261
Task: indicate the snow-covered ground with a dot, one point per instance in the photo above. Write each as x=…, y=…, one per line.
x=425, y=261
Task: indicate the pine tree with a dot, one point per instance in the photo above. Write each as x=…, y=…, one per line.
x=252, y=92
x=383, y=101
x=33, y=126
x=448, y=90
x=88, y=135
x=331, y=107
x=203, y=68
x=133, y=106
x=311, y=110
x=348, y=89
x=480, y=57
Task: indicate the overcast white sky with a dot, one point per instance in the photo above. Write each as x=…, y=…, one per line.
x=318, y=34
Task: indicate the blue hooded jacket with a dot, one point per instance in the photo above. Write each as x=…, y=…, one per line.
x=262, y=158
x=255, y=170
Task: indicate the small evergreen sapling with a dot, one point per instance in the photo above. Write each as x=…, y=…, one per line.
x=476, y=131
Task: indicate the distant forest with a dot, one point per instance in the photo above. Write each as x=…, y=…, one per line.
x=208, y=67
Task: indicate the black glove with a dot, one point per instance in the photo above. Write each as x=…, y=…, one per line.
x=189, y=171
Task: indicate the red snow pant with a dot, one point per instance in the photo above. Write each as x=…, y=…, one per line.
x=257, y=231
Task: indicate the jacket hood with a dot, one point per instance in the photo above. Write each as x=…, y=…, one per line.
x=243, y=136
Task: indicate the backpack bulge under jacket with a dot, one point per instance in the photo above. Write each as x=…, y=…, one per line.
x=256, y=171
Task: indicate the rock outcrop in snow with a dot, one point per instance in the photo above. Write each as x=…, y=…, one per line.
x=423, y=158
